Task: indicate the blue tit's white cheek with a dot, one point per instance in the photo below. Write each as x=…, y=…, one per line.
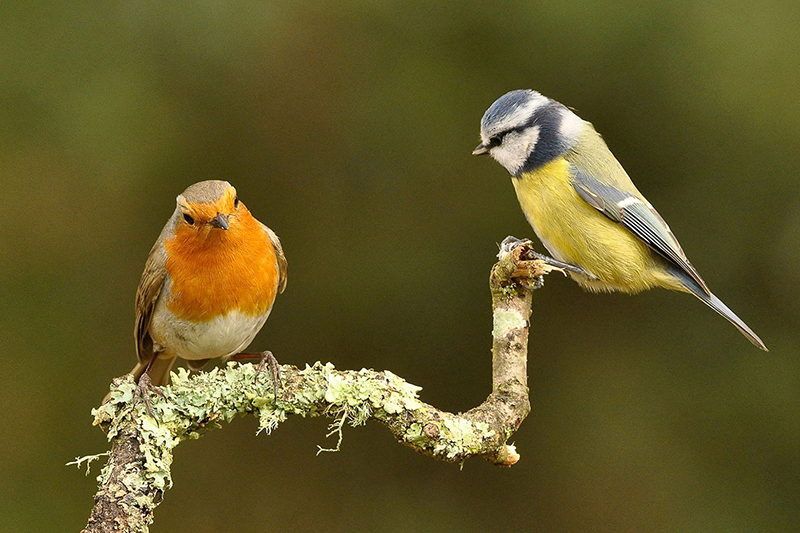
x=571, y=126
x=516, y=148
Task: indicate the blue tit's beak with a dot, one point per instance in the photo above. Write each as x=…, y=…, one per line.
x=220, y=221
x=481, y=149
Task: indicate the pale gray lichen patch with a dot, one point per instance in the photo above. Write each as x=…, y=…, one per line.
x=462, y=437
x=353, y=396
x=506, y=321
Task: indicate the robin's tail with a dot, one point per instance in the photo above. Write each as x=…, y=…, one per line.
x=159, y=369
x=716, y=304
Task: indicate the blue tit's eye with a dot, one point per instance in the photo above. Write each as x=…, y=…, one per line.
x=497, y=140
x=188, y=218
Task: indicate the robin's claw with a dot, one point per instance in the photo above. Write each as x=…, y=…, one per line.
x=143, y=390
x=268, y=359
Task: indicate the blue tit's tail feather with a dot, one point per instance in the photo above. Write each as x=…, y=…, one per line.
x=716, y=304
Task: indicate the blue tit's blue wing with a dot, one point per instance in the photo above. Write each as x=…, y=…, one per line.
x=637, y=216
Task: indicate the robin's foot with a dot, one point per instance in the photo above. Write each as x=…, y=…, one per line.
x=264, y=358
x=268, y=359
x=143, y=390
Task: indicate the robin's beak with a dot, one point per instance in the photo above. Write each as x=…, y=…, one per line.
x=481, y=149
x=220, y=221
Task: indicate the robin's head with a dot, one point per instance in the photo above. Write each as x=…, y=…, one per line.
x=210, y=205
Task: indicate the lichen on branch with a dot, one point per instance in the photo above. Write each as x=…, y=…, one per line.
x=133, y=482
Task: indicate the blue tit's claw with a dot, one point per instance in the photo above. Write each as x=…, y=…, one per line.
x=513, y=245
x=510, y=244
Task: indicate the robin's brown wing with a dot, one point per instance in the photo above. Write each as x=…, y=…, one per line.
x=283, y=266
x=150, y=286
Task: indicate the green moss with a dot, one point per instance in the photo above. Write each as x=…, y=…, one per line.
x=509, y=290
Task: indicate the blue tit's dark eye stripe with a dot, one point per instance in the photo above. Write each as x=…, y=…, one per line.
x=498, y=139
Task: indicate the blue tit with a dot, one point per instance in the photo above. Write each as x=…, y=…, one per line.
x=582, y=204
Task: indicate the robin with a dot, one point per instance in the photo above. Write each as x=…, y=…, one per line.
x=208, y=286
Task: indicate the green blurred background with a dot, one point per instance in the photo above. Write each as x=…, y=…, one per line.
x=347, y=127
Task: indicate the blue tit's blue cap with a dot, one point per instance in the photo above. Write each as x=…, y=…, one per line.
x=512, y=109
x=507, y=104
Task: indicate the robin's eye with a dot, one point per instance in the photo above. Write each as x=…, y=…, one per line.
x=236, y=203
x=188, y=218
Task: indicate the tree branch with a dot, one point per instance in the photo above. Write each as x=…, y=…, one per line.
x=137, y=474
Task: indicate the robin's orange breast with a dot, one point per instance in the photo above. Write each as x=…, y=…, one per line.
x=213, y=271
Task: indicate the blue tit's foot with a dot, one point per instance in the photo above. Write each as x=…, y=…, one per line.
x=143, y=390
x=518, y=262
x=510, y=244
x=562, y=266
x=525, y=252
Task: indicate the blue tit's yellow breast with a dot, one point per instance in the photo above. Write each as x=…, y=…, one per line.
x=575, y=232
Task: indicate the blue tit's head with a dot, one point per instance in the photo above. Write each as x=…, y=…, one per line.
x=523, y=130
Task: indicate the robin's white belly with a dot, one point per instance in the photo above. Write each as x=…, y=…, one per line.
x=220, y=337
